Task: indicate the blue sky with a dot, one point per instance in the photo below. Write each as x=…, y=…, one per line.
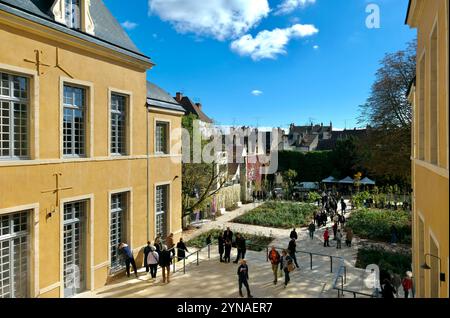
x=319, y=65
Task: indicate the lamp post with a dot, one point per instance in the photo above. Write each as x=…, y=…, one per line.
x=427, y=267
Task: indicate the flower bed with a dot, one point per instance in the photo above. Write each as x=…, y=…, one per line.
x=279, y=215
x=254, y=242
x=377, y=224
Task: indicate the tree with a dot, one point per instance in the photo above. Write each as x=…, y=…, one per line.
x=200, y=181
x=389, y=113
x=289, y=177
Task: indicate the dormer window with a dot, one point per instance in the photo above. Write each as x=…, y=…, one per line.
x=73, y=14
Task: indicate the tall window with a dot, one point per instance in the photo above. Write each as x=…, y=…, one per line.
x=118, y=124
x=433, y=121
x=73, y=14
x=74, y=121
x=162, y=140
x=421, y=110
x=117, y=228
x=13, y=116
x=162, y=193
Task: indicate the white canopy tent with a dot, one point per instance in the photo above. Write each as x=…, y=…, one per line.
x=330, y=179
x=367, y=181
x=347, y=180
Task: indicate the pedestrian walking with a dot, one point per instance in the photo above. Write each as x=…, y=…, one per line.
x=311, y=229
x=170, y=244
x=287, y=266
x=221, y=246
x=241, y=247
x=292, y=249
x=349, y=237
x=147, y=250
x=181, y=250
x=407, y=284
x=335, y=227
x=326, y=238
x=228, y=245
x=129, y=258
x=242, y=273
x=274, y=258
x=209, y=240
x=165, y=259
x=338, y=239
x=158, y=243
x=293, y=235
x=152, y=261
x=343, y=206
x=387, y=290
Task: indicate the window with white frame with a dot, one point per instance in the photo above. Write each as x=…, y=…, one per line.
x=73, y=13
x=162, y=137
x=118, y=124
x=74, y=122
x=14, y=113
x=162, y=198
x=117, y=232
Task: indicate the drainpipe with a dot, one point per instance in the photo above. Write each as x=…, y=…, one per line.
x=148, y=171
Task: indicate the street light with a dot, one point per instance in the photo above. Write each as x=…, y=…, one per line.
x=427, y=267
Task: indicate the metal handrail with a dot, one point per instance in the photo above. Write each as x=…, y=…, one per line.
x=197, y=252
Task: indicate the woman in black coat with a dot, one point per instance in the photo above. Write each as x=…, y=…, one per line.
x=181, y=250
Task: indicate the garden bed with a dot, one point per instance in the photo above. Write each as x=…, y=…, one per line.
x=279, y=215
x=389, y=262
x=375, y=224
x=254, y=242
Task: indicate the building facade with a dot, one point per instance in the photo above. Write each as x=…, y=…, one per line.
x=430, y=162
x=79, y=166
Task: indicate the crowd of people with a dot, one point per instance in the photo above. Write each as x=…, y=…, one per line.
x=156, y=254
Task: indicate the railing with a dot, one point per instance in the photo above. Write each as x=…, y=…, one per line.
x=196, y=259
x=342, y=279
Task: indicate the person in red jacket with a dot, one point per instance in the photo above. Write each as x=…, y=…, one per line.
x=326, y=238
x=407, y=283
x=274, y=258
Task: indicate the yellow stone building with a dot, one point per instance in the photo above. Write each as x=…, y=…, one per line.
x=86, y=156
x=430, y=162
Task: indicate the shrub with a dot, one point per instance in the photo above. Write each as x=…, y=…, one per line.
x=359, y=198
x=279, y=214
x=377, y=224
x=254, y=242
x=387, y=261
x=313, y=197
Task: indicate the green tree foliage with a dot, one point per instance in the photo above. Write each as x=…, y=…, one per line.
x=389, y=113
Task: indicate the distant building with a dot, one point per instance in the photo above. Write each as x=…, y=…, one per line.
x=306, y=138
x=330, y=144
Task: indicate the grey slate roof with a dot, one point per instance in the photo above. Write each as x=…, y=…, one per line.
x=108, y=32
x=157, y=97
x=191, y=108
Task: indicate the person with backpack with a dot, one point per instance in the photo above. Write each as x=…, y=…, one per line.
x=311, y=229
x=326, y=238
x=152, y=261
x=274, y=258
x=287, y=266
x=407, y=284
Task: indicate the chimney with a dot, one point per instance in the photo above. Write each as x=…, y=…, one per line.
x=199, y=105
x=179, y=97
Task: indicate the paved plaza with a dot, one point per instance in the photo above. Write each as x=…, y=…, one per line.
x=212, y=279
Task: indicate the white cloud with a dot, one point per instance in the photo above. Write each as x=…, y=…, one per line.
x=269, y=44
x=220, y=19
x=257, y=92
x=316, y=47
x=288, y=6
x=129, y=25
